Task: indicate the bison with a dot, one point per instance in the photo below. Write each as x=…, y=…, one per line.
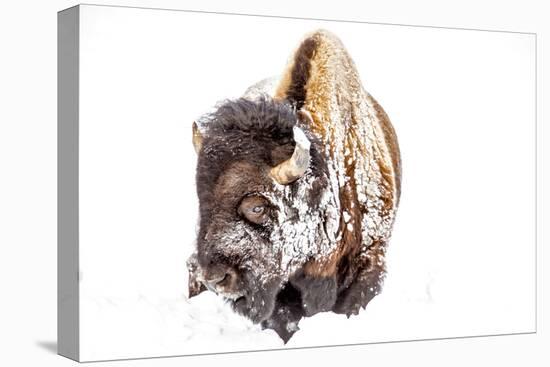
x=298, y=185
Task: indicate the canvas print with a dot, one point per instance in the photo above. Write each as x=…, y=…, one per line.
x=239, y=183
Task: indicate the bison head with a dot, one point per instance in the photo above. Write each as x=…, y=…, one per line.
x=264, y=210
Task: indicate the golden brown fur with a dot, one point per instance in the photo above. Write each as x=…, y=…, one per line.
x=354, y=126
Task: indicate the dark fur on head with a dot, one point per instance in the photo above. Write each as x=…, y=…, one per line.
x=264, y=118
x=242, y=141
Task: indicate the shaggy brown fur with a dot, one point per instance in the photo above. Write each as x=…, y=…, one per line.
x=351, y=189
x=346, y=118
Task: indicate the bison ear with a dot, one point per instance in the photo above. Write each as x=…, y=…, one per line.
x=197, y=138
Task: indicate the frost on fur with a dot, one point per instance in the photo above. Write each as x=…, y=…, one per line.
x=298, y=184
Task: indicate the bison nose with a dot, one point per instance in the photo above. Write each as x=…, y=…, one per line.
x=220, y=282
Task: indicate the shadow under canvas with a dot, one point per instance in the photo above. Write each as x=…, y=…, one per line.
x=50, y=346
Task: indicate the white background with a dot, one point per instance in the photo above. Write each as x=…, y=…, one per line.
x=28, y=188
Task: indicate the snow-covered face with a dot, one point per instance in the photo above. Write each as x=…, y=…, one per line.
x=254, y=231
x=253, y=234
x=235, y=254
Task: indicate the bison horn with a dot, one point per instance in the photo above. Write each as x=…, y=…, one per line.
x=197, y=138
x=294, y=167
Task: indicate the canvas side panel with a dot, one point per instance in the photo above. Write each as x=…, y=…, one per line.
x=67, y=182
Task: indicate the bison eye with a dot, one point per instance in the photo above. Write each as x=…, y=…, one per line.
x=258, y=209
x=254, y=209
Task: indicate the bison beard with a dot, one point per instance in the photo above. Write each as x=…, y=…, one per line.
x=297, y=191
